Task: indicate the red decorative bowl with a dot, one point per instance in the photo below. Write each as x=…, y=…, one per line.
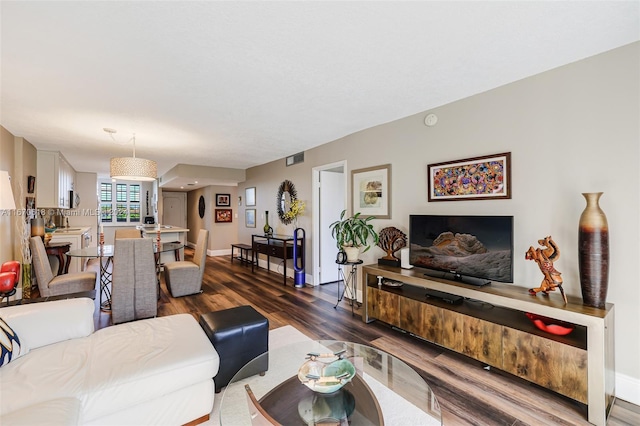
x=550, y=325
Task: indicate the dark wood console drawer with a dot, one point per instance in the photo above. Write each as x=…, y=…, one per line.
x=273, y=250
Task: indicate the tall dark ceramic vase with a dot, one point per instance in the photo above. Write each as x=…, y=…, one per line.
x=593, y=252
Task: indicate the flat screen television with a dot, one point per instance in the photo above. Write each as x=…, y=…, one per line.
x=470, y=249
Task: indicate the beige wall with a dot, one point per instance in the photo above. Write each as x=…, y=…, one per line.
x=221, y=235
x=18, y=157
x=570, y=130
x=7, y=162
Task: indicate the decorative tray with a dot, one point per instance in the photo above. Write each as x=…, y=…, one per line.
x=391, y=283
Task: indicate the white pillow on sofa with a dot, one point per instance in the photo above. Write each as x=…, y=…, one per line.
x=44, y=323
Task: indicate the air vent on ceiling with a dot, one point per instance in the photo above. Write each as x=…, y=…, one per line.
x=295, y=159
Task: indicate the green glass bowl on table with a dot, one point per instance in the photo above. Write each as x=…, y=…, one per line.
x=326, y=376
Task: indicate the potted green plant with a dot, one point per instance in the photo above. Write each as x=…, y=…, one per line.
x=353, y=233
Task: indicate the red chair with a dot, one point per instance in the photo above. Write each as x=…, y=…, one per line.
x=9, y=278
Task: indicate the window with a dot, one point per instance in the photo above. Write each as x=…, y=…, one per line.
x=127, y=202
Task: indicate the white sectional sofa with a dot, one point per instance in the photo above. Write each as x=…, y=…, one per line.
x=156, y=371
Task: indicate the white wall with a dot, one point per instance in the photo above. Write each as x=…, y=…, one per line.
x=570, y=130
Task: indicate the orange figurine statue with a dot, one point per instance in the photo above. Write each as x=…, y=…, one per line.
x=545, y=257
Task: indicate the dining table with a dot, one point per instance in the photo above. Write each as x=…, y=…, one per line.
x=105, y=252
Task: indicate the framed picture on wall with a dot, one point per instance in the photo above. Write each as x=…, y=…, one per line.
x=30, y=205
x=224, y=215
x=250, y=218
x=371, y=191
x=31, y=184
x=479, y=178
x=250, y=196
x=223, y=200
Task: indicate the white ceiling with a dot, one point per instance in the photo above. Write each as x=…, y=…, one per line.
x=238, y=84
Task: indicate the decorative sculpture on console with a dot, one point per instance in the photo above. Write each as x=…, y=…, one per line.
x=545, y=257
x=391, y=240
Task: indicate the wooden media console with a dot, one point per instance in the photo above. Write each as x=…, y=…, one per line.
x=490, y=325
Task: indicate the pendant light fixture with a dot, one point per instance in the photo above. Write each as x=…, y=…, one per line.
x=132, y=168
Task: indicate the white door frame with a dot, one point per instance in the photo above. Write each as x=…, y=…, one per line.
x=315, y=172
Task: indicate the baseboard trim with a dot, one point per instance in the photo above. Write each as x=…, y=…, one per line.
x=628, y=388
x=223, y=252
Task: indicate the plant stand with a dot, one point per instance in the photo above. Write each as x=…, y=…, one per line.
x=350, y=281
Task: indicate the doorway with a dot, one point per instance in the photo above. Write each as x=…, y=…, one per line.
x=174, y=211
x=329, y=199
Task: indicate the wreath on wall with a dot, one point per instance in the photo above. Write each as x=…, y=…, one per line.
x=283, y=204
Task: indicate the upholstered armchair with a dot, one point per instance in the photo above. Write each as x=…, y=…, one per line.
x=49, y=285
x=134, y=288
x=185, y=277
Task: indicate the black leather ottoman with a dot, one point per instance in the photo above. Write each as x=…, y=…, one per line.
x=239, y=335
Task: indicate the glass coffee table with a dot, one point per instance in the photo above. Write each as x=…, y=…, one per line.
x=384, y=391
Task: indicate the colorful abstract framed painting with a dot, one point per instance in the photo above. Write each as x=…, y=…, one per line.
x=224, y=215
x=479, y=178
x=371, y=191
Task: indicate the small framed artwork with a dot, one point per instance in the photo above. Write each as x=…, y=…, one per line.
x=250, y=196
x=31, y=184
x=479, y=178
x=224, y=215
x=223, y=200
x=371, y=191
x=30, y=205
x=250, y=218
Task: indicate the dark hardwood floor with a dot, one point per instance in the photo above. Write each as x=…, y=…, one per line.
x=468, y=393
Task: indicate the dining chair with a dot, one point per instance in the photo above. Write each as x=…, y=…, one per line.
x=134, y=291
x=185, y=277
x=48, y=285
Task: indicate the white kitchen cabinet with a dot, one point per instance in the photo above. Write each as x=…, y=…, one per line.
x=55, y=180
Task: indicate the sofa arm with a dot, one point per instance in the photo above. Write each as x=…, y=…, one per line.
x=40, y=324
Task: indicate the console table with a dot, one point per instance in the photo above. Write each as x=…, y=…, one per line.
x=279, y=246
x=490, y=325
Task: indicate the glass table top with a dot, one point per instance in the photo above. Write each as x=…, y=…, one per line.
x=400, y=393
